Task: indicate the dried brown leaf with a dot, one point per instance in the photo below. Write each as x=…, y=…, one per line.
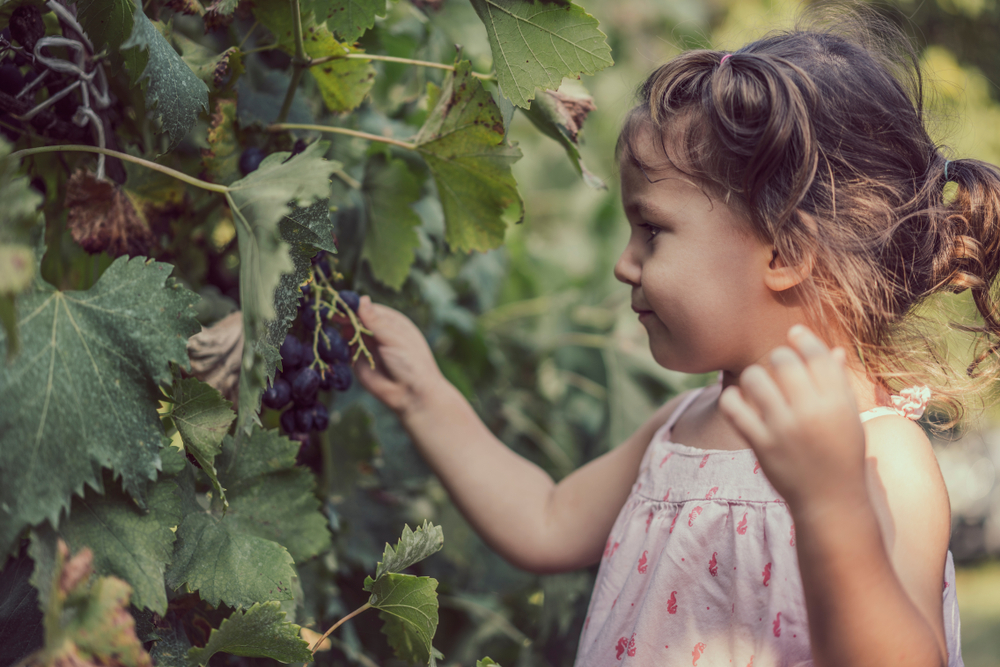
x=572, y=110
x=216, y=354
x=102, y=217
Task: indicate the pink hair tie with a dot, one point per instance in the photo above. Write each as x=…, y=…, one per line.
x=725, y=58
x=912, y=401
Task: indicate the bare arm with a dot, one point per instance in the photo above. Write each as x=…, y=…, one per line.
x=871, y=527
x=512, y=503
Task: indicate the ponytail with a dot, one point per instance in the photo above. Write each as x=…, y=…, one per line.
x=969, y=248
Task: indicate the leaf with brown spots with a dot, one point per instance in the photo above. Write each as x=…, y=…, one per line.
x=343, y=83
x=216, y=354
x=463, y=143
x=102, y=218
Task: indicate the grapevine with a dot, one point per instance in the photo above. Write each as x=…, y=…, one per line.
x=196, y=195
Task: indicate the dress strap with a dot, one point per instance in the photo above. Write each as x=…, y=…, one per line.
x=880, y=411
x=684, y=405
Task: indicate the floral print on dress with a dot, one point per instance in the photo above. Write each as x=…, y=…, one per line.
x=737, y=591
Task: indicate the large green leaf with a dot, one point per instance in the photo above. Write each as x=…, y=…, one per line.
x=343, y=82
x=127, y=542
x=260, y=632
x=348, y=18
x=202, y=417
x=536, y=44
x=225, y=565
x=281, y=186
x=390, y=190
x=108, y=24
x=173, y=90
x=462, y=142
x=83, y=393
x=272, y=508
x=408, y=607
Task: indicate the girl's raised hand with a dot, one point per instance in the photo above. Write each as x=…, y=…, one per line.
x=405, y=371
x=802, y=422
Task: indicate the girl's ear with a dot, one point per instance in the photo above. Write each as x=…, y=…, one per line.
x=780, y=276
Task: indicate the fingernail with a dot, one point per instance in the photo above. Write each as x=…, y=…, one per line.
x=797, y=330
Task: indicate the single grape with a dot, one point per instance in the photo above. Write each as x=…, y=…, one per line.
x=278, y=394
x=323, y=266
x=305, y=419
x=321, y=418
x=325, y=380
x=351, y=298
x=342, y=377
x=251, y=159
x=333, y=347
x=11, y=79
x=288, y=421
x=291, y=353
x=318, y=256
x=306, y=289
x=308, y=356
x=306, y=386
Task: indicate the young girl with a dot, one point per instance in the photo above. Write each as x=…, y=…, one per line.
x=787, y=217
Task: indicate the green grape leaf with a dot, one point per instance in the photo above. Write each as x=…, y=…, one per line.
x=408, y=607
x=343, y=82
x=390, y=189
x=83, y=394
x=348, y=18
x=127, y=542
x=108, y=24
x=260, y=632
x=271, y=497
x=173, y=90
x=86, y=618
x=245, y=556
x=413, y=546
x=487, y=662
x=560, y=115
x=536, y=44
x=221, y=160
x=462, y=142
x=280, y=186
x=224, y=565
x=202, y=417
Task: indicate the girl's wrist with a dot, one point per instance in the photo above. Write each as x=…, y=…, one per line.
x=845, y=504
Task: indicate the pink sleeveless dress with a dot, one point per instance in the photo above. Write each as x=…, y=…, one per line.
x=700, y=568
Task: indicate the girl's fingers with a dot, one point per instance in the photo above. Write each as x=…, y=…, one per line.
x=743, y=417
x=825, y=370
x=760, y=391
x=793, y=377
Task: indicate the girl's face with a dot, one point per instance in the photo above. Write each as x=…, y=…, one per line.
x=696, y=272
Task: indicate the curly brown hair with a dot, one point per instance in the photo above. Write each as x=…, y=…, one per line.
x=817, y=135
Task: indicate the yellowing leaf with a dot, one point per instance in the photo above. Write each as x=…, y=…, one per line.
x=462, y=142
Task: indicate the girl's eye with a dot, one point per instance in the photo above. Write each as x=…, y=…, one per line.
x=651, y=230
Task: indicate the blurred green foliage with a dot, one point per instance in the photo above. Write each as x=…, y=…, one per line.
x=539, y=334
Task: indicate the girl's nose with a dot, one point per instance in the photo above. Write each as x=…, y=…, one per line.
x=627, y=269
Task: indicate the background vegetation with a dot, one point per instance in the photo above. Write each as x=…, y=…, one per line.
x=536, y=333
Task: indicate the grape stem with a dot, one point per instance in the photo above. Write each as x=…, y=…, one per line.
x=279, y=127
x=339, y=304
x=300, y=63
x=179, y=175
x=336, y=625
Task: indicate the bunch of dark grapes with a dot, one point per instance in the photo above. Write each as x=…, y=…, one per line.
x=315, y=358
